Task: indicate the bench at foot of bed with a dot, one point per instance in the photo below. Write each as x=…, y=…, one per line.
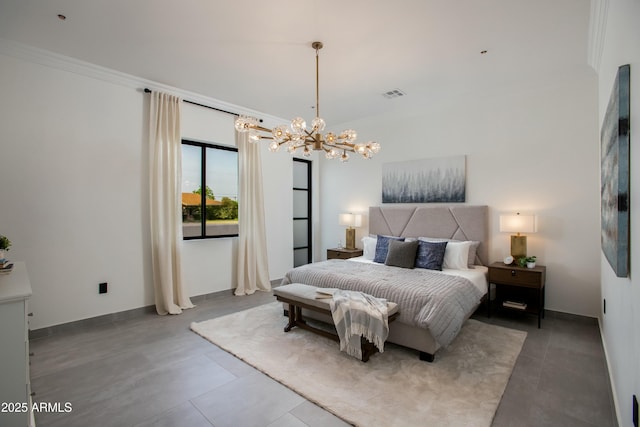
x=299, y=296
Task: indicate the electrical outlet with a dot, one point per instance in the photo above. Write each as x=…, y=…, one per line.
x=102, y=288
x=635, y=411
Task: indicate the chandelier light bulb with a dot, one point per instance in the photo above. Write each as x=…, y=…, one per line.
x=254, y=136
x=241, y=124
x=350, y=135
x=318, y=124
x=298, y=125
x=279, y=133
x=274, y=146
x=344, y=157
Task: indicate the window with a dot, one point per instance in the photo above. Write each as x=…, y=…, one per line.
x=214, y=211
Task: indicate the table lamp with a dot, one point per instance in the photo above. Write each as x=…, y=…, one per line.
x=518, y=224
x=350, y=220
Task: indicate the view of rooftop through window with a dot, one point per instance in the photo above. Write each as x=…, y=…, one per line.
x=214, y=168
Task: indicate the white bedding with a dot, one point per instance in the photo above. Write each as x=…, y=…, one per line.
x=477, y=275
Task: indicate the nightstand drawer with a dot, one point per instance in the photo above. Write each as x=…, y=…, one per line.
x=516, y=276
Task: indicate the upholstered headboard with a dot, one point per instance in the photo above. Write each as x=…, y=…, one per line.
x=460, y=222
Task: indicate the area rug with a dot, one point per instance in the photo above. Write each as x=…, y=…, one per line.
x=462, y=387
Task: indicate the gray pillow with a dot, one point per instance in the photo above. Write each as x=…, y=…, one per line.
x=382, y=247
x=473, y=250
x=402, y=254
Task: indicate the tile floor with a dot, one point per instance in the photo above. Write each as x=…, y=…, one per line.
x=149, y=370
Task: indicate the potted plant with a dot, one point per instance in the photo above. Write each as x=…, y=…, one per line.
x=531, y=261
x=5, y=244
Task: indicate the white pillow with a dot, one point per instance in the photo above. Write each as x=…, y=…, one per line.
x=456, y=255
x=369, y=247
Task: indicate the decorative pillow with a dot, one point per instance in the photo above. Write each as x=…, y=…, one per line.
x=369, y=247
x=473, y=249
x=430, y=255
x=382, y=247
x=401, y=254
x=456, y=256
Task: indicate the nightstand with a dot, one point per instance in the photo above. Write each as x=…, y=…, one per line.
x=343, y=253
x=518, y=288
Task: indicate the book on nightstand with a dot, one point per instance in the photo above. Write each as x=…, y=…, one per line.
x=514, y=304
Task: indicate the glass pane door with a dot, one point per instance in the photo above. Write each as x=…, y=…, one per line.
x=301, y=212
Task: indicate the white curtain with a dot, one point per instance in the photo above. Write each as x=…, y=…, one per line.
x=253, y=270
x=165, y=164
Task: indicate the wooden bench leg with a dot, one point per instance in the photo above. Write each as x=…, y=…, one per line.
x=427, y=357
x=367, y=348
x=292, y=318
x=299, y=318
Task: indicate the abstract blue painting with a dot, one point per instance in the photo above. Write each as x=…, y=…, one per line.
x=614, y=175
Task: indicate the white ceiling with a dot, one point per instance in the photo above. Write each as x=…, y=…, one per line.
x=258, y=54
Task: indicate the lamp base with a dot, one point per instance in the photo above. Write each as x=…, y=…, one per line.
x=518, y=246
x=350, y=238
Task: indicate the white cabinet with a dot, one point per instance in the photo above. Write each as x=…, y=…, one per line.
x=15, y=388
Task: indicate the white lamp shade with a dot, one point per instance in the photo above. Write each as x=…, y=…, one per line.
x=350, y=220
x=518, y=223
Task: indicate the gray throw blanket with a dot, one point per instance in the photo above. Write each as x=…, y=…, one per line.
x=359, y=315
x=426, y=299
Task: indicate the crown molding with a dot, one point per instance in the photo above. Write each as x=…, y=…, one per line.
x=597, y=32
x=87, y=69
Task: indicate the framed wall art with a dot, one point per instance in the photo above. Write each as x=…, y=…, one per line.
x=614, y=175
x=436, y=180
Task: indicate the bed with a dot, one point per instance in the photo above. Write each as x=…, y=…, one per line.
x=433, y=304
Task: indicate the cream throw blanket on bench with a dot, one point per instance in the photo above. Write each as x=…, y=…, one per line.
x=357, y=315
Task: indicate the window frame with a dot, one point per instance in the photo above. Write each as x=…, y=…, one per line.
x=203, y=194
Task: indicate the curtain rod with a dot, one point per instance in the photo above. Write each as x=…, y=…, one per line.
x=147, y=90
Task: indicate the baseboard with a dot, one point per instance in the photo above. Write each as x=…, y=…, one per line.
x=90, y=322
x=119, y=316
x=571, y=316
x=614, y=395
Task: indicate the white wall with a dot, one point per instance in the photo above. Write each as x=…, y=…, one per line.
x=73, y=199
x=74, y=180
x=528, y=149
x=621, y=323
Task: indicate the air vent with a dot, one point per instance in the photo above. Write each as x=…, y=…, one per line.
x=395, y=93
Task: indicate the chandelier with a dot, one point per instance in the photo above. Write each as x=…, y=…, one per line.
x=297, y=136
